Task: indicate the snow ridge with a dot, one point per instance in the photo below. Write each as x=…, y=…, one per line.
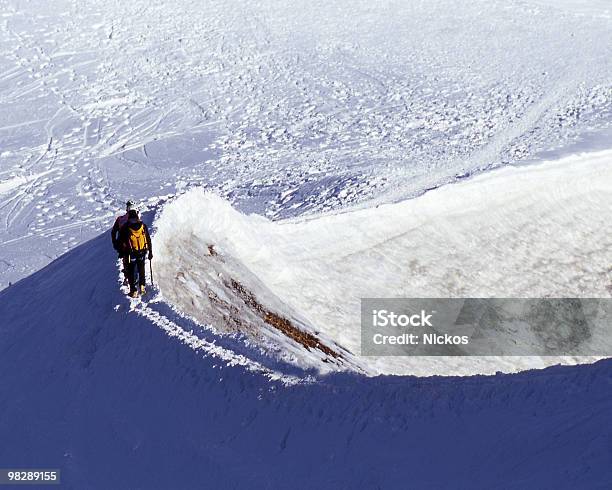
x=527, y=225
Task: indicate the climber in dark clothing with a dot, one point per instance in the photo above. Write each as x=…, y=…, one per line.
x=119, y=222
x=135, y=244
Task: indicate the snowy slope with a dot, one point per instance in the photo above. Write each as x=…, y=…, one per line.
x=284, y=109
x=113, y=401
x=243, y=369
x=534, y=231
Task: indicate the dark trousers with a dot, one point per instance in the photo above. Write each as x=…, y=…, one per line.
x=136, y=263
x=126, y=265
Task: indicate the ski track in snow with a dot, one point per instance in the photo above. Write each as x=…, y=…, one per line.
x=283, y=113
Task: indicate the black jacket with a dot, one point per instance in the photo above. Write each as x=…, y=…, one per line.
x=119, y=222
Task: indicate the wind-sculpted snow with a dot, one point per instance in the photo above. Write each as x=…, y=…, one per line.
x=282, y=108
x=290, y=110
x=526, y=232
x=98, y=391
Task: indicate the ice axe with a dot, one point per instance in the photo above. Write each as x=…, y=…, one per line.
x=151, y=270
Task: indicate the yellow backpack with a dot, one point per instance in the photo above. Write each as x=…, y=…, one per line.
x=137, y=239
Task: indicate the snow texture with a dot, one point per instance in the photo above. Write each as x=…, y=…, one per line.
x=536, y=231
x=321, y=118
x=285, y=109
x=99, y=391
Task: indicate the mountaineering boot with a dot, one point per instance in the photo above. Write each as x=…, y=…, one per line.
x=133, y=294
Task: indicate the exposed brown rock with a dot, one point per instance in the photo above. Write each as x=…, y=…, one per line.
x=282, y=324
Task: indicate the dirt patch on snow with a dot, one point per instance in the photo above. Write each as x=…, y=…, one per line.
x=282, y=324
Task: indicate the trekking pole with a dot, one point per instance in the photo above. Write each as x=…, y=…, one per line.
x=151, y=270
